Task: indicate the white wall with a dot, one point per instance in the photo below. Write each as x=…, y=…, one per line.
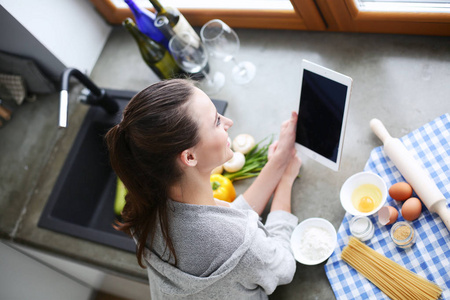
x=72, y=30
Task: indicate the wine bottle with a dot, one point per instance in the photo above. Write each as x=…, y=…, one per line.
x=176, y=19
x=145, y=21
x=162, y=23
x=153, y=53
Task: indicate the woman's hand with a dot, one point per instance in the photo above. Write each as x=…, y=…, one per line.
x=283, y=149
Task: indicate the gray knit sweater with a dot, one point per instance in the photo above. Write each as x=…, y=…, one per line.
x=222, y=252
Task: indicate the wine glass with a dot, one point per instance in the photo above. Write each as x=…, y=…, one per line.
x=190, y=54
x=223, y=42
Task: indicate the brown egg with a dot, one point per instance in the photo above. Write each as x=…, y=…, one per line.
x=400, y=191
x=411, y=209
x=387, y=215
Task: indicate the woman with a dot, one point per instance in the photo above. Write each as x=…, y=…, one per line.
x=194, y=246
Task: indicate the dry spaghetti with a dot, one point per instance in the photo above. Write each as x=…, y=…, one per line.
x=393, y=279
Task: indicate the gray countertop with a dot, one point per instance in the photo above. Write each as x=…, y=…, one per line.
x=402, y=80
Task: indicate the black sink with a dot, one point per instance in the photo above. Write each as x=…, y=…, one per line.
x=82, y=201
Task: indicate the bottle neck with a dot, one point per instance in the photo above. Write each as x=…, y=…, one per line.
x=138, y=35
x=132, y=29
x=138, y=11
x=133, y=6
x=162, y=23
x=158, y=7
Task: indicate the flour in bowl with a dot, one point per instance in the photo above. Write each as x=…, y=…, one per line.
x=316, y=243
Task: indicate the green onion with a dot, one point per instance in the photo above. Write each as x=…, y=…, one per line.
x=255, y=160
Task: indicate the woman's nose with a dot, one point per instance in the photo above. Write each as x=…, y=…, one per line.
x=228, y=123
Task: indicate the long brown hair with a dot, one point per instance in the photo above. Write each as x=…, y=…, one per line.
x=143, y=147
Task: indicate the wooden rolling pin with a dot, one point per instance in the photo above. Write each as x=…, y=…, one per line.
x=413, y=172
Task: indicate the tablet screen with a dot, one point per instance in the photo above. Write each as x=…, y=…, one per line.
x=323, y=109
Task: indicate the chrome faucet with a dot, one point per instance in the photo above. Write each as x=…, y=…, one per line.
x=96, y=96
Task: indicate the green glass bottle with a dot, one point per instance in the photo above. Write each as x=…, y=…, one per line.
x=154, y=54
x=162, y=23
x=171, y=13
x=176, y=19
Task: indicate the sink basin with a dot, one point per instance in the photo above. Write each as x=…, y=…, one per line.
x=81, y=203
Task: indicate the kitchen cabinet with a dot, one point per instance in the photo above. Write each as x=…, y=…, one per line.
x=38, y=275
x=24, y=277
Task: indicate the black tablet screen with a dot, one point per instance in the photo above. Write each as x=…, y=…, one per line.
x=322, y=104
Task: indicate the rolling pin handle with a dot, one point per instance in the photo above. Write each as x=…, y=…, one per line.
x=379, y=129
x=440, y=207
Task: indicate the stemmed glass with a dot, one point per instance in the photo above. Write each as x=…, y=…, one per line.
x=223, y=42
x=190, y=54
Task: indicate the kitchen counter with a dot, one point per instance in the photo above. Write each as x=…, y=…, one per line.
x=401, y=80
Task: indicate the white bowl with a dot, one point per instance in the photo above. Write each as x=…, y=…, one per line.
x=299, y=233
x=352, y=183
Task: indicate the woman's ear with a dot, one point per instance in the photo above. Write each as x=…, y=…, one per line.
x=188, y=158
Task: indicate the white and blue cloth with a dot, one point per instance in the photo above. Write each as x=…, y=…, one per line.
x=430, y=256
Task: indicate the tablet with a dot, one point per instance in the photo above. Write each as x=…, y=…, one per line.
x=322, y=114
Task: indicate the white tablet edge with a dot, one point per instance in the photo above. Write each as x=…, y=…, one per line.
x=340, y=78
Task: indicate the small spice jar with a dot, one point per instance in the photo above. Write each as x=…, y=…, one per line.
x=362, y=228
x=403, y=235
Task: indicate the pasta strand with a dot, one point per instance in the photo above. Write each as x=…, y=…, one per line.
x=397, y=282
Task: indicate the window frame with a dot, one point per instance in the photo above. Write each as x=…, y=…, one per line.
x=321, y=15
x=243, y=18
x=346, y=15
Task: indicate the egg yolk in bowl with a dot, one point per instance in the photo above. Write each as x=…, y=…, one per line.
x=366, y=197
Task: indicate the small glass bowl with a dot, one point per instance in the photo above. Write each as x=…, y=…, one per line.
x=403, y=235
x=355, y=181
x=362, y=228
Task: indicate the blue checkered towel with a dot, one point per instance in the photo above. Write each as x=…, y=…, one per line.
x=430, y=256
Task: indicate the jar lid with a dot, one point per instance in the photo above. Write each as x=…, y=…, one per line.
x=360, y=225
x=402, y=234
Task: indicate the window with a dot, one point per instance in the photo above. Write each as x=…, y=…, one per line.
x=399, y=16
x=268, y=14
x=217, y=4
x=378, y=16
x=434, y=6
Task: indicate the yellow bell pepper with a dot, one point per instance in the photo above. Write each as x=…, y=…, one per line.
x=222, y=187
x=119, y=202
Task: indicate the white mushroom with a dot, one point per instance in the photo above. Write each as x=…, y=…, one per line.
x=243, y=143
x=236, y=163
x=217, y=170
